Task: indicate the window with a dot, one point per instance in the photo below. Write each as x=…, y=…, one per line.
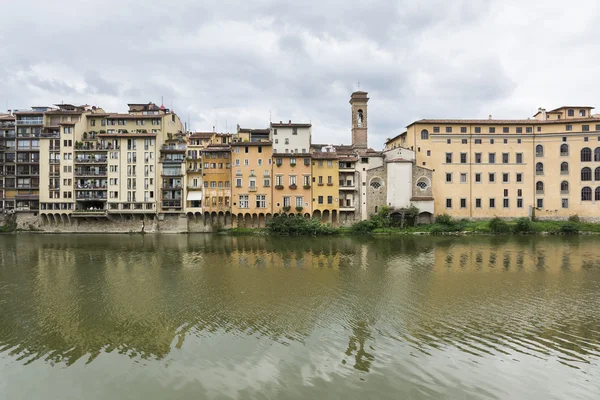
x=422, y=183
x=528, y=129
x=238, y=182
x=463, y=141
x=504, y=158
x=463, y=158
x=564, y=149
x=539, y=169
x=519, y=129
x=299, y=201
x=518, y=141
x=491, y=141
x=477, y=158
x=292, y=180
x=519, y=177
x=519, y=203
x=519, y=192
x=597, y=154
x=597, y=194
x=505, y=177
x=478, y=177
x=424, y=134
x=565, y=203
x=582, y=113
x=519, y=158
x=586, y=194
x=564, y=187
x=320, y=199
x=261, y=201
x=448, y=141
x=477, y=203
x=568, y=127
x=436, y=129
x=244, y=203
x=539, y=150
x=477, y=141
x=267, y=182
x=571, y=113
x=492, y=177
x=463, y=129
x=540, y=203
x=448, y=203
x=292, y=161
x=492, y=203
x=477, y=129
x=448, y=158
x=505, y=141
x=505, y=203
x=586, y=174
x=597, y=174
x=491, y=129
x=492, y=158
x=586, y=139
x=463, y=177
x=505, y=129
x=586, y=154
x=448, y=178
x=448, y=129
x=428, y=153
x=539, y=187
x=329, y=199
x=463, y=203
x=287, y=201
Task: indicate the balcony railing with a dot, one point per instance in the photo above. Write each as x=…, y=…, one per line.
x=90, y=173
x=252, y=189
x=54, y=187
x=91, y=187
x=54, y=161
x=171, y=204
x=91, y=196
x=172, y=187
x=93, y=160
x=173, y=147
x=30, y=121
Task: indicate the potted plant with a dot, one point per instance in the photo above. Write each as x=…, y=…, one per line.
x=85, y=135
x=293, y=186
x=286, y=208
x=299, y=209
x=102, y=131
x=279, y=187
x=292, y=165
x=306, y=186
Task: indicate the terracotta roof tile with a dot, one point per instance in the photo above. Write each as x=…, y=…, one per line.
x=505, y=121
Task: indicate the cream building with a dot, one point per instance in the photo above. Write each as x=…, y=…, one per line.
x=547, y=166
x=291, y=137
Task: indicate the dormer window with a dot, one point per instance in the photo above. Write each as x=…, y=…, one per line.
x=582, y=113
x=571, y=113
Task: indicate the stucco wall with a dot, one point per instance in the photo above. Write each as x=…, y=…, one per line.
x=399, y=184
x=376, y=198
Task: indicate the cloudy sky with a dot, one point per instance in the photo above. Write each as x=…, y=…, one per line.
x=236, y=62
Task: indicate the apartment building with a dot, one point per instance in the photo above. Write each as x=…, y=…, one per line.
x=216, y=174
x=8, y=148
x=326, y=185
x=292, y=185
x=252, y=174
x=291, y=137
x=173, y=163
x=548, y=165
x=195, y=143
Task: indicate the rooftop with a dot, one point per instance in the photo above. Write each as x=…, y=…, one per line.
x=289, y=124
x=504, y=121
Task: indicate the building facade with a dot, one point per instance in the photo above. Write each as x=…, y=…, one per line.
x=292, y=183
x=325, y=185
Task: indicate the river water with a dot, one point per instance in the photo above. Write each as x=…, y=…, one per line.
x=206, y=316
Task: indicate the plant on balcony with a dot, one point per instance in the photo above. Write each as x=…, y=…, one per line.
x=102, y=131
x=293, y=187
x=144, y=130
x=330, y=184
x=170, y=136
x=278, y=164
x=286, y=208
x=279, y=187
x=299, y=209
x=306, y=186
x=85, y=135
x=292, y=165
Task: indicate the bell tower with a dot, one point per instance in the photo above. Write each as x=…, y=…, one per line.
x=360, y=119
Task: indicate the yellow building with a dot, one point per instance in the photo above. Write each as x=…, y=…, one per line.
x=196, y=142
x=325, y=186
x=292, y=183
x=251, y=191
x=548, y=165
x=217, y=179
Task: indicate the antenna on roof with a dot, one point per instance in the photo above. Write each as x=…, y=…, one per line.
x=269, y=115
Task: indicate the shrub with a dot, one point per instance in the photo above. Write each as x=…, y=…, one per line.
x=574, y=218
x=443, y=219
x=363, y=227
x=569, y=227
x=522, y=225
x=298, y=225
x=498, y=225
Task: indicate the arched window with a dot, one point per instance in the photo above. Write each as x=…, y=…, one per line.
x=597, y=154
x=539, y=150
x=376, y=183
x=564, y=168
x=539, y=169
x=586, y=174
x=564, y=149
x=564, y=187
x=539, y=187
x=597, y=193
x=359, y=119
x=597, y=174
x=424, y=134
x=586, y=154
x=422, y=183
x=586, y=194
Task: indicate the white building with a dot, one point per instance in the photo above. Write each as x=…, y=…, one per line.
x=291, y=137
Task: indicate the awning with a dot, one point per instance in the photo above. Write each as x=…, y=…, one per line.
x=194, y=195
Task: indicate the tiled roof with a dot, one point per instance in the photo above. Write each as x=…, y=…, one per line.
x=241, y=144
x=505, y=121
x=201, y=135
x=399, y=160
x=417, y=198
x=325, y=155
x=292, y=155
x=586, y=107
x=289, y=124
x=126, y=134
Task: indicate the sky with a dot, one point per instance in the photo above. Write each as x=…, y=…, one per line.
x=227, y=62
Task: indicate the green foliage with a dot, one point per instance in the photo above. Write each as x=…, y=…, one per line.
x=498, y=225
x=10, y=223
x=574, y=218
x=443, y=219
x=569, y=227
x=298, y=225
x=522, y=225
x=363, y=227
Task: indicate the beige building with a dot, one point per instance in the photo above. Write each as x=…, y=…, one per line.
x=548, y=165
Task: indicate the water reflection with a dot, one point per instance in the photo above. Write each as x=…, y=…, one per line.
x=65, y=298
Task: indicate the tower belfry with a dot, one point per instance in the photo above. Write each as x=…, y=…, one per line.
x=359, y=101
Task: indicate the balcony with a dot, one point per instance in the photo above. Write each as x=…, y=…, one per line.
x=54, y=187
x=171, y=204
x=252, y=188
x=92, y=212
x=90, y=173
x=347, y=187
x=54, y=161
x=346, y=206
x=38, y=121
x=172, y=187
x=92, y=196
x=174, y=148
x=50, y=135
x=28, y=160
x=92, y=187
x=91, y=160
x=172, y=173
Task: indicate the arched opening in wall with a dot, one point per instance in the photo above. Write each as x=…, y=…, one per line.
x=221, y=219
x=425, y=218
x=206, y=219
x=228, y=218
x=254, y=220
x=597, y=154
x=424, y=134
x=360, y=118
x=261, y=220
x=586, y=154
x=423, y=183
x=307, y=215
x=190, y=216
x=326, y=215
x=268, y=218
x=213, y=218
x=564, y=149
x=334, y=217
x=376, y=183
x=317, y=214
x=247, y=220
x=396, y=219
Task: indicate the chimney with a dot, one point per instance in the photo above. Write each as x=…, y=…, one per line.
x=290, y=122
x=544, y=115
x=490, y=116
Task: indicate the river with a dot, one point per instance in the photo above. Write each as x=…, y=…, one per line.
x=208, y=316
